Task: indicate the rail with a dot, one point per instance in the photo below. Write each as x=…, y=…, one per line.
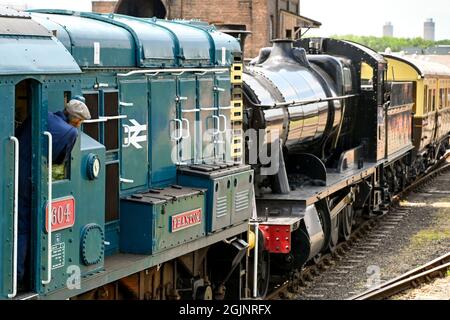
x=281, y=288
x=437, y=267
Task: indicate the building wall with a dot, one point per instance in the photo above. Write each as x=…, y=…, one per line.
x=103, y=6
x=251, y=13
x=428, y=30
x=261, y=17
x=388, y=30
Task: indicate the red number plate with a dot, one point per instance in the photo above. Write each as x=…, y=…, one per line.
x=63, y=214
x=186, y=220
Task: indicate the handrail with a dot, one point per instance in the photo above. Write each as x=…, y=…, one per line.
x=158, y=71
x=126, y=104
x=188, y=129
x=224, y=123
x=50, y=209
x=179, y=130
x=216, y=132
x=126, y=145
x=209, y=109
x=105, y=118
x=15, y=214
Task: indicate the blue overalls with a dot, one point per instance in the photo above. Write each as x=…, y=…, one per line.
x=64, y=138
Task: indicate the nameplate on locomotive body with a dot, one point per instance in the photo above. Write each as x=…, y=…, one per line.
x=186, y=220
x=63, y=214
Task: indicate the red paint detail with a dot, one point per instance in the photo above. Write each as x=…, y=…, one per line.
x=186, y=220
x=63, y=214
x=277, y=239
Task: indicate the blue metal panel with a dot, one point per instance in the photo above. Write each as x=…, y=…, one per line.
x=147, y=224
x=229, y=194
x=6, y=188
x=159, y=45
x=112, y=231
x=67, y=244
x=162, y=114
x=134, y=143
x=90, y=33
x=61, y=33
x=152, y=42
x=227, y=43
x=223, y=43
x=223, y=98
x=208, y=108
x=196, y=45
x=35, y=56
x=187, y=87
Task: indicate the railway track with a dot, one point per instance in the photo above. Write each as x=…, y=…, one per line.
x=362, y=241
x=411, y=279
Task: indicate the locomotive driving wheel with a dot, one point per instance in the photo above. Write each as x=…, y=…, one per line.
x=334, y=235
x=333, y=227
x=346, y=218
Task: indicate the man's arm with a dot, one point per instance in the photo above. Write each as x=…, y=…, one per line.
x=71, y=140
x=68, y=142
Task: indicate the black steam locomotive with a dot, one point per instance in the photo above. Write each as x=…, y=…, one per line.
x=336, y=136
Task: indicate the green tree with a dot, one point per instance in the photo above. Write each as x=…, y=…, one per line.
x=396, y=44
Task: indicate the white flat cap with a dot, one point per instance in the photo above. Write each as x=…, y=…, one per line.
x=78, y=109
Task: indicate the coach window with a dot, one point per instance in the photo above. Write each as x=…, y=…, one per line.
x=447, y=95
x=434, y=100
x=441, y=98
x=430, y=100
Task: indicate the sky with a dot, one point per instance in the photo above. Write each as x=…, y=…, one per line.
x=361, y=17
x=364, y=17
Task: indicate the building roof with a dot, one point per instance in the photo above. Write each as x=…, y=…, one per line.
x=304, y=22
x=439, y=58
x=423, y=67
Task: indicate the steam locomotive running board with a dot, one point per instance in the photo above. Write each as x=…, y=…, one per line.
x=309, y=195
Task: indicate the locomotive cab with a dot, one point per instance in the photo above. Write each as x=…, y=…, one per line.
x=37, y=76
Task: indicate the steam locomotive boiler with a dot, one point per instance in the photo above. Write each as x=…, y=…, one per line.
x=325, y=145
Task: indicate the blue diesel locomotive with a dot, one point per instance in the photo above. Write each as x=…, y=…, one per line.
x=197, y=178
x=155, y=199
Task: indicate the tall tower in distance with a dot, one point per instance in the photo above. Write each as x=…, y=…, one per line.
x=388, y=30
x=428, y=29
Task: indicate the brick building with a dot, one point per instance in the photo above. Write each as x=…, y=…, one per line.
x=266, y=19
